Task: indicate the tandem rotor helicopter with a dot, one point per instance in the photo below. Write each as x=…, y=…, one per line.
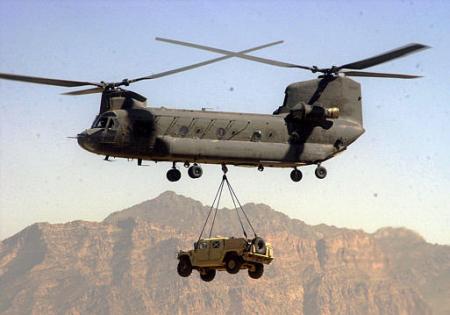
x=318, y=119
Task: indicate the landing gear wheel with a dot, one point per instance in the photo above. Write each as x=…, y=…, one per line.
x=321, y=172
x=173, y=175
x=208, y=275
x=257, y=272
x=195, y=171
x=296, y=175
x=233, y=264
x=184, y=267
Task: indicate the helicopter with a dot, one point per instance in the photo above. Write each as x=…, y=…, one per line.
x=318, y=119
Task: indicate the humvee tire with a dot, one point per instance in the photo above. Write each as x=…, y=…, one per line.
x=260, y=245
x=258, y=272
x=233, y=263
x=184, y=267
x=208, y=275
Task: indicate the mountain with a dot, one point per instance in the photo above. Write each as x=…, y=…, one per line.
x=127, y=265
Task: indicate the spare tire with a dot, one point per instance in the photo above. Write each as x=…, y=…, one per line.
x=260, y=245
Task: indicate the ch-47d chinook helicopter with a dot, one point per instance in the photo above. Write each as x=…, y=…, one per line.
x=318, y=119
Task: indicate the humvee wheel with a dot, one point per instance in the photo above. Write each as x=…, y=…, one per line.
x=258, y=272
x=208, y=275
x=184, y=267
x=233, y=264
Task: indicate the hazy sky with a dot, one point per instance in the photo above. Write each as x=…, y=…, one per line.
x=397, y=174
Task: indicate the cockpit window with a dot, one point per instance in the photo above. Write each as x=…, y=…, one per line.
x=112, y=123
x=107, y=120
x=101, y=122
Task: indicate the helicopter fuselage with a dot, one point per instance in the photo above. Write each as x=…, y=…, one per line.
x=302, y=131
x=161, y=134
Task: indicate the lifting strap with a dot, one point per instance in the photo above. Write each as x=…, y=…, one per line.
x=215, y=207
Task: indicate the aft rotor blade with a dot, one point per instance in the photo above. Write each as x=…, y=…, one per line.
x=86, y=91
x=384, y=57
x=200, y=64
x=48, y=81
x=240, y=54
x=379, y=75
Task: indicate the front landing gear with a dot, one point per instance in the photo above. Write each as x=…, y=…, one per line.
x=296, y=175
x=321, y=172
x=173, y=175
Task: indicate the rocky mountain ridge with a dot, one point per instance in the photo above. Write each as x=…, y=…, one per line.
x=127, y=264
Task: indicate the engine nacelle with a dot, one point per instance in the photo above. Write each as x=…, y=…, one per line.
x=304, y=111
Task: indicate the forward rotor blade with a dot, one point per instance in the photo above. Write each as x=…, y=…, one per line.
x=384, y=57
x=86, y=91
x=379, y=75
x=241, y=54
x=48, y=81
x=200, y=64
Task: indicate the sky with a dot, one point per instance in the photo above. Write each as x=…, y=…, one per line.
x=396, y=174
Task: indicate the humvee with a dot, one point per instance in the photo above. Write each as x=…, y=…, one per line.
x=223, y=253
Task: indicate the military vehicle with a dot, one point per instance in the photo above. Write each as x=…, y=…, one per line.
x=222, y=253
x=318, y=119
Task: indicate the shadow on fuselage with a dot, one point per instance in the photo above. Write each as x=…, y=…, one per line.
x=300, y=131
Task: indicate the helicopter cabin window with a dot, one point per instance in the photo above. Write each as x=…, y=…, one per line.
x=257, y=135
x=183, y=131
x=220, y=133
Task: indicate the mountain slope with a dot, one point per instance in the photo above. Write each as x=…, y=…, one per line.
x=127, y=264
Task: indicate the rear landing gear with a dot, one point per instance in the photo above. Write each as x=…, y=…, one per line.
x=296, y=175
x=173, y=175
x=195, y=171
x=321, y=172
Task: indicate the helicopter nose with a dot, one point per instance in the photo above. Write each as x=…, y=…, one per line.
x=82, y=139
x=85, y=141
